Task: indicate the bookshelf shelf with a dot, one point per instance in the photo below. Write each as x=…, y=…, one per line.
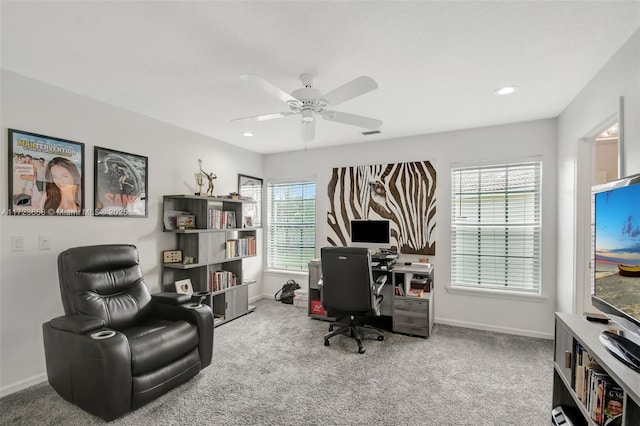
x=579, y=355
x=217, y=246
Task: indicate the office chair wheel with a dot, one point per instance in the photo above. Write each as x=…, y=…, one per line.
x=361, y=350
x=326, y=342
x=330, y=328
x=380, y=338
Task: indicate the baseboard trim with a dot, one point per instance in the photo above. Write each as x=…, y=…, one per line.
x=497, y=329
x=23, y=384
x=472, y=325
x=256, y=298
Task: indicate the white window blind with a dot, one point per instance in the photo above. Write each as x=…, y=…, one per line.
x=291, y=233
x=495, y=227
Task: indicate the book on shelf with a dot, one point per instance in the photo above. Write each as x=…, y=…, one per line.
x=221, y=280
x=240, y=247
x=595, y=388
x=416, y=292
x=399, y=291
x=613, y=402
x=220, y=219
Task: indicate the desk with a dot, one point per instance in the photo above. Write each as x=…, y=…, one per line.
x=408, y=314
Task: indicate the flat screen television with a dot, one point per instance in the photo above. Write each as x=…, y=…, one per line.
x=616, y=260
x=370, y=232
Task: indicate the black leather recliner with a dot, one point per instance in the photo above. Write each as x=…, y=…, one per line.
x=119, y=347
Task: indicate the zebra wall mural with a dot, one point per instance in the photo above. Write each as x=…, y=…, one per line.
x=403, y=193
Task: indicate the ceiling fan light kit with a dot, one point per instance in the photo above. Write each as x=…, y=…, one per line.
x=309, y=101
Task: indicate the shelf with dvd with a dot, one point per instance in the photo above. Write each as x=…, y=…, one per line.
x=590, y=385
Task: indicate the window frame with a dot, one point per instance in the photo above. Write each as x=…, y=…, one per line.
x=271, y=265
x=515, y=292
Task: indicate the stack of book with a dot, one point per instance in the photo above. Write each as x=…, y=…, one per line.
x=601, y=396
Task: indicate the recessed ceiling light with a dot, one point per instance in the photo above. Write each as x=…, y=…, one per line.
x=507, y=90
x=247, y=134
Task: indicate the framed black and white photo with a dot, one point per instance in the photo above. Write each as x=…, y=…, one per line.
x=46, y=175
x=249, y=186
x=120, y=184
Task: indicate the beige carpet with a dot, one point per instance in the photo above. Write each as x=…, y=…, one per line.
x=271, y=368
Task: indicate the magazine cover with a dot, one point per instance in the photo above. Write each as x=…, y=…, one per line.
x=46, y=175
x=613, y=397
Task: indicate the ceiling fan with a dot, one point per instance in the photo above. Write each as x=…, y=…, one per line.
x=310, y=102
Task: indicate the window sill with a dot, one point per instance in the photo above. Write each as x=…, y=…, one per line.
x=287, y=272
x=496, y=294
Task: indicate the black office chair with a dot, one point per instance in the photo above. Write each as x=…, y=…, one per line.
x=349, y=292
x=119, y=347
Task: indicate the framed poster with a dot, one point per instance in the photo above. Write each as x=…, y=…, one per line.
x=120, y=181
x=251, y=187
x=46, y=175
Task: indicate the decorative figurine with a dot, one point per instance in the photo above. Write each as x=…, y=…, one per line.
x=199, y=180
x=198, y=177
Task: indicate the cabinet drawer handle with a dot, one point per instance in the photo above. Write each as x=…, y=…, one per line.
x=567, y=359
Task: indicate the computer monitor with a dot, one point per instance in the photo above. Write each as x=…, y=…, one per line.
x=370, y=233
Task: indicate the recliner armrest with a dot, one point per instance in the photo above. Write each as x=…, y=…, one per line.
x=171, y=298
x=382, y=279
x=78, y=324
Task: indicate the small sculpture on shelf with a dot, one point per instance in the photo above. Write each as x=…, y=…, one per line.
x=200, y=180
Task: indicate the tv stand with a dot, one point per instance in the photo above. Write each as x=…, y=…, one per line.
x=573, y=331
x=622, y=348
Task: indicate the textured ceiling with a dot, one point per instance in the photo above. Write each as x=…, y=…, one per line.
x=437, y=63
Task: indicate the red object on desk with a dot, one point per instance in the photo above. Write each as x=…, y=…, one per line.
x=317, y=309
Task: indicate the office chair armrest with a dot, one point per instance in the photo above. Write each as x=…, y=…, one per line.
x=77, y=324
x=382, y=279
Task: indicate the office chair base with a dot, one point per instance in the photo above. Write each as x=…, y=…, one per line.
x=354, y=331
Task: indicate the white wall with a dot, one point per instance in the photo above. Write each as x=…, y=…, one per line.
x=596, y=104
x=532, y=317
x=29, y=293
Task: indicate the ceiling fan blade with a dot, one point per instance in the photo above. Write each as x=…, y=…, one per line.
x=308, y=130
x=264, y=117
x=350, y=90
x=354, y=120
x=271, y=89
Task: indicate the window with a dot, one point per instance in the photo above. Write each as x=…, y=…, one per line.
x=291, y=225
x=495, y=227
